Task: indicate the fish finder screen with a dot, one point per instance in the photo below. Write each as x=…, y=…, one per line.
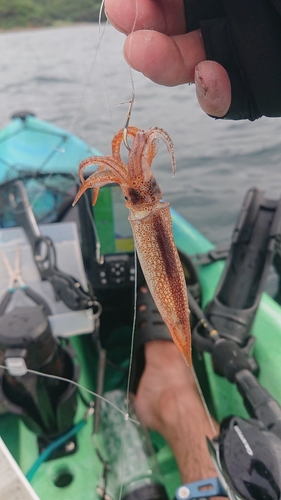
x=111, y=219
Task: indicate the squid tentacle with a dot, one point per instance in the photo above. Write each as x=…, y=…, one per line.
x=97, y=180
x=104, y=162
x=88, y=162
x=159, y=133
x=118, y=138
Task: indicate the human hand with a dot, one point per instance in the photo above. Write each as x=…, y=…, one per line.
x=231, y=50
x=158, y=46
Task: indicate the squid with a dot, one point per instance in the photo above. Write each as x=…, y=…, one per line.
x=151, y=223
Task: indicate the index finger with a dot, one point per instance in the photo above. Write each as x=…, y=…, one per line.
x=158, y=15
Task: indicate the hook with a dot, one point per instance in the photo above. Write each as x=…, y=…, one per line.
x=125, y=131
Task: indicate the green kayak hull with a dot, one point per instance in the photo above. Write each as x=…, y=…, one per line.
x=32, y=145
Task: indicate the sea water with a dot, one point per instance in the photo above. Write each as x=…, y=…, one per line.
x=76, y=77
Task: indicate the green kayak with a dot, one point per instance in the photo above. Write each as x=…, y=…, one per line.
x=41, y=160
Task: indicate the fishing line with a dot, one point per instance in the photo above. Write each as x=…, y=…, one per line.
x=100, y=14
x=85, y=389
x=212, y=426
x=207, y=411
x=135, y=255
x=124, y=439
x=213, y=429
x=132, y=101
x=37, y=197
x=133, y=327
x=87, y=83
x=124, y=445
x=101, y=61
x=73, y=126
x=74, y=121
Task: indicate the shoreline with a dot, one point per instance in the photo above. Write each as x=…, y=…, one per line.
x=50, y=26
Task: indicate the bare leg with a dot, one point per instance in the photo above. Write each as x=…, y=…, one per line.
x=168, y=401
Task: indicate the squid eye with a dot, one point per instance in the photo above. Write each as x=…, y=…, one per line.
x=126, y=197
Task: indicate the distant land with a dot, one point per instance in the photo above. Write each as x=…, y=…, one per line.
x=40, y=13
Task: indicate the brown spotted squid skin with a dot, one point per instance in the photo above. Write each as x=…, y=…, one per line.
x=151, y=223
x=162, y=269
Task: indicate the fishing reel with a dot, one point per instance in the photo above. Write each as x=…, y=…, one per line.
x=30, y=352
x=247, y=457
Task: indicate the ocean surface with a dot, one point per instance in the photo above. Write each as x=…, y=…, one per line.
x=77, y=78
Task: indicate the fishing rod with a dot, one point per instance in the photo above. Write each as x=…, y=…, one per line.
x=247, y=452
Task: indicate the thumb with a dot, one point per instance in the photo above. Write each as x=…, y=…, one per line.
x=213, y=88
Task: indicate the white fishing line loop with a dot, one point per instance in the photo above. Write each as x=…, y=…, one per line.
x=85, y=389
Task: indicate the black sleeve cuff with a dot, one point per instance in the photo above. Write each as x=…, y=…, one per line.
x=244, y=36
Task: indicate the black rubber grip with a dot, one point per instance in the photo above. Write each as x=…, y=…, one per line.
x=228, y=359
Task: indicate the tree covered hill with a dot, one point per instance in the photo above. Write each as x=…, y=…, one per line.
x=40, y=13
